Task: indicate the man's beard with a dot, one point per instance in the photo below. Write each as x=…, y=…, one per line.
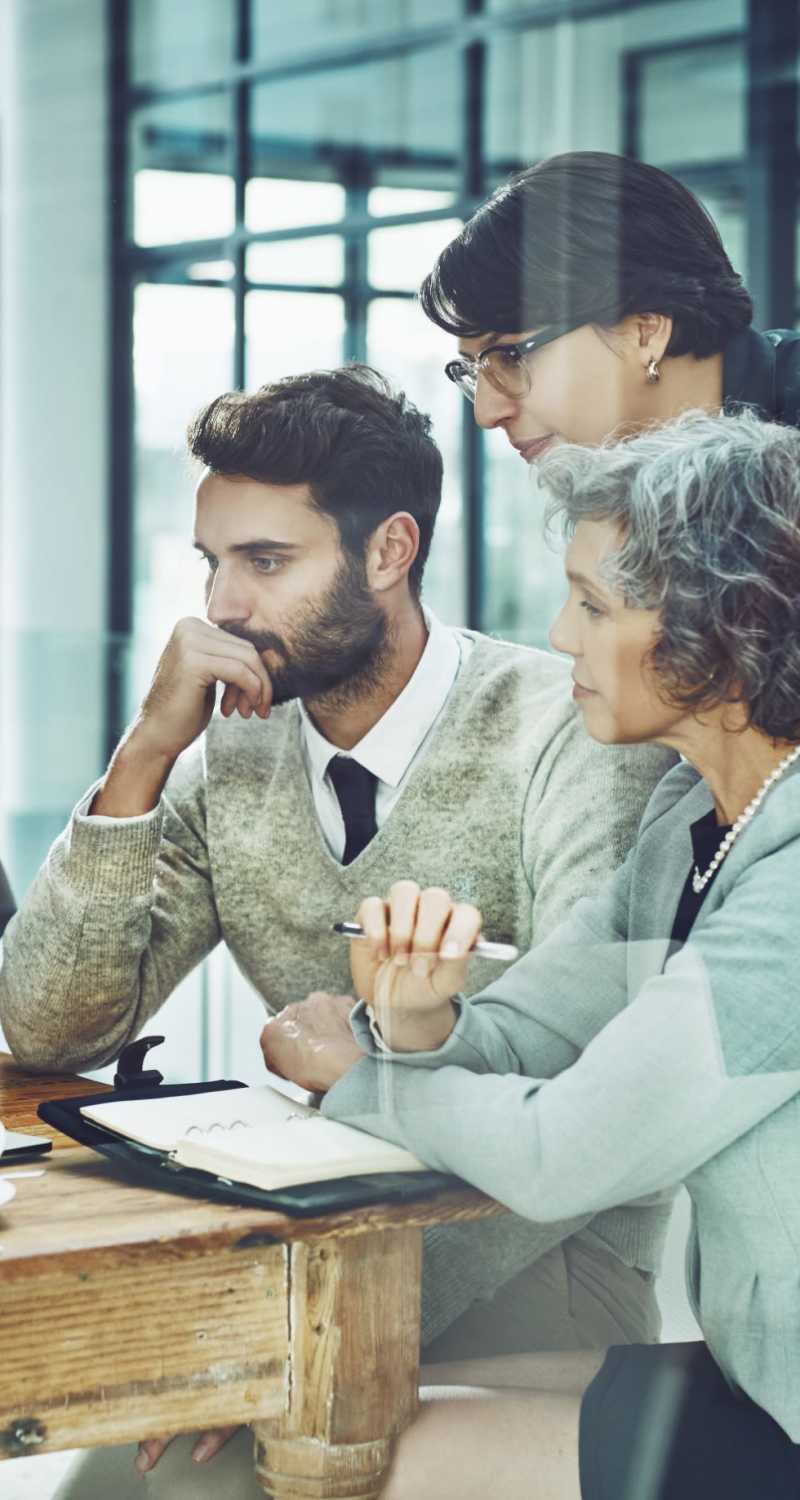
x=337, y=648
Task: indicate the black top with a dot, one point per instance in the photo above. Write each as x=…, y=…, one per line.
x=763, y=370
x=707, y=835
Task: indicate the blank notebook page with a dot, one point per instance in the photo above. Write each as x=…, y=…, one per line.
x=254, y=1134
x=162, y=1122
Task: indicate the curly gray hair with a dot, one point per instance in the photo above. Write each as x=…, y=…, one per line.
x=708, y=510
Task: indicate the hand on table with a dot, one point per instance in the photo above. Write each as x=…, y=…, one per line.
x=311, y=1043
x=411, y=962
x=207, y=1447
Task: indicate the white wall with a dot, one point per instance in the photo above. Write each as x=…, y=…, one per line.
x=54, y=388
x=53, y=413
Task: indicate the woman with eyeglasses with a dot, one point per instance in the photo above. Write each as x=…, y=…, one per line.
x=654, y=1037
x=591, y=296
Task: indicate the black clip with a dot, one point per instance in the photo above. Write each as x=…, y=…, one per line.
x=129, y=1073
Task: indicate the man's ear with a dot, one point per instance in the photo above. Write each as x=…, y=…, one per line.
x=391, y=551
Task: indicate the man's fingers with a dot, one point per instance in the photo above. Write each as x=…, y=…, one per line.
x=241, y=682
x=209, y=1443
x=206, y=648
x=149, y=1452
x=206, y=1447
x=212, y=640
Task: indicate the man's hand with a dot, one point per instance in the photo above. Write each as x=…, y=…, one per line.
x=311, y=1043
x=207, y=1446
x=177, y=709
x=180, y=700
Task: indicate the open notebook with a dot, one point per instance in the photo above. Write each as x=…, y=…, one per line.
x=253, y=1135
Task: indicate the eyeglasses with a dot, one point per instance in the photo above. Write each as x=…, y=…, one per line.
x=504, y=365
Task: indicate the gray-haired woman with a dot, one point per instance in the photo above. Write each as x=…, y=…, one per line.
x=655, y=1037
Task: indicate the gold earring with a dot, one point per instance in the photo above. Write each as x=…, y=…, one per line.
x=653, y=373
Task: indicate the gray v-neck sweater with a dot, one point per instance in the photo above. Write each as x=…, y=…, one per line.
x=511, y=806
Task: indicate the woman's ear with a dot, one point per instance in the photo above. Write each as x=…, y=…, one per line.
x=654, y=333
x=392, y=550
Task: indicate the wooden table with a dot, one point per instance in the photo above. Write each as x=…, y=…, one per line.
x=126, y=1312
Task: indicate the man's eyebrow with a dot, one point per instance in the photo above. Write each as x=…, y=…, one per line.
x=258, y=544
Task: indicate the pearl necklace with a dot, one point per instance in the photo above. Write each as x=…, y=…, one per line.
x=699, y=882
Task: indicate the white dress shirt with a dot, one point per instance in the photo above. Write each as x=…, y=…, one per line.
x=394, y=745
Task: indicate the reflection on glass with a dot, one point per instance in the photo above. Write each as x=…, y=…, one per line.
x=410, y=105
x=313, y=262
x=531, y=103
x=411, y=352
x=559, y=87
x=517, y=4
x=290, y=332
x=382, y=201
x=279, y=30
x=289, y=203
x=693, y=104
x=179, y=41
x=727, y=209
x=183, y=357
x=398, y=259
x=524, y=580
x=181, y=158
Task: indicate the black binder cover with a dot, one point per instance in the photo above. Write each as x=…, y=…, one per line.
x=159, y=1171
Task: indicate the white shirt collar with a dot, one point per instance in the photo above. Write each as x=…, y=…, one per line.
x=389, y=747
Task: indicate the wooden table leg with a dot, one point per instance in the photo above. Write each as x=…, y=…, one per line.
x=354, y=1309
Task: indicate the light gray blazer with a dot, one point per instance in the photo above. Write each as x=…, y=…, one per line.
x=664, y=1064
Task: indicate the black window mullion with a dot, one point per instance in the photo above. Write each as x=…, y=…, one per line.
x=241, y=175
x=772, y=159
x=120, y=478
x=358, y=181
x=472, y=451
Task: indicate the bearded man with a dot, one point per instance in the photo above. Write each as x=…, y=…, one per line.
x=358, y=740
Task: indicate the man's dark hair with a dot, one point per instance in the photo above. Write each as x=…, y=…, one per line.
x=363, y=450
x=591, y=237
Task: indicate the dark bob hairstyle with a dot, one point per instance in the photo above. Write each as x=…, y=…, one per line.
x=594, y=238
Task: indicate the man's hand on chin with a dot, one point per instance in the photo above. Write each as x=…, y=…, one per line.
x=311, y=1043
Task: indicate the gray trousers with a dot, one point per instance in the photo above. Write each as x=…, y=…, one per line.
x=577, y=1296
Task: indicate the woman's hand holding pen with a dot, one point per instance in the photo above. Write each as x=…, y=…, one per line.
x=411, y=962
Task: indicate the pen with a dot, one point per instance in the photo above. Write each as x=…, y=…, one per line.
x=504, y=953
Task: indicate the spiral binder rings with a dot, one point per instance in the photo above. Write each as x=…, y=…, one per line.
x=153, y=1159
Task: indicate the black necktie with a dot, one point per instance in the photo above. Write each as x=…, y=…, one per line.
x=355, y=787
